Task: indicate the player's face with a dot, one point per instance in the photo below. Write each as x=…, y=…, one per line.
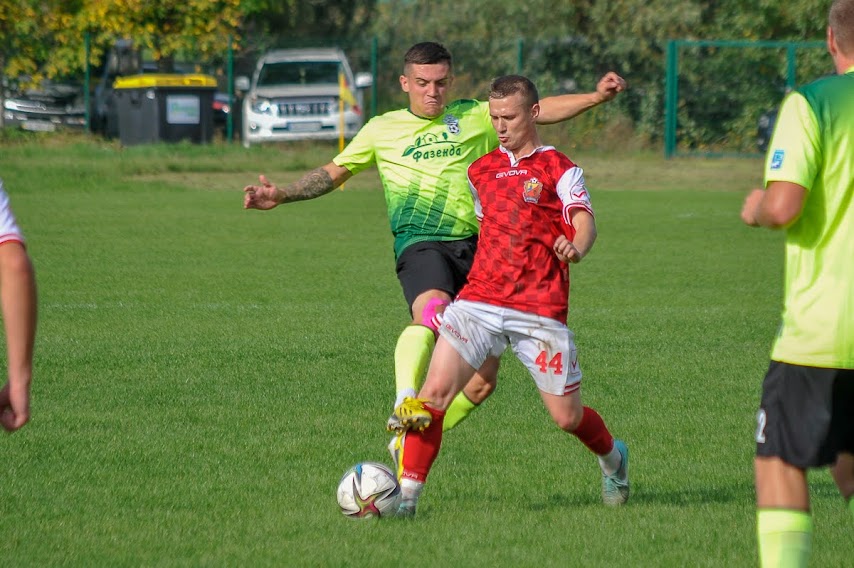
x=515, y=123
x=427, y=87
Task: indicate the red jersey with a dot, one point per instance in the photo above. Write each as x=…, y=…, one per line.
x=523, y=206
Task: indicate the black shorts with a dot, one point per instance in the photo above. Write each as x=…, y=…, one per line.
x=806, y=416
x=435, y=265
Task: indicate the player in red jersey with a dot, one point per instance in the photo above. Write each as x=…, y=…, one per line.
x=535, y=217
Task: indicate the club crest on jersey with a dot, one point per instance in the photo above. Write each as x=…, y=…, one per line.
x=531, y=190
x=452, y=123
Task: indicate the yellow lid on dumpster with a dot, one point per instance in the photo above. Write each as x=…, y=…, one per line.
x=164, y=80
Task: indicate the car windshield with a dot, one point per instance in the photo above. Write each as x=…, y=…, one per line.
x=298, y=73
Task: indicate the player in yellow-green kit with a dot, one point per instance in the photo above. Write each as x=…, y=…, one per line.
x=806, y=415
x=422, y=154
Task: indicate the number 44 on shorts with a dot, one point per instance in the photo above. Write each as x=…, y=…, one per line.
x=554, y=363
x=547, y=362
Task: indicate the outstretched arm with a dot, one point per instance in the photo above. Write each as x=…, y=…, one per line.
x=18, y=302
x=563, y=107
x=585, y=235
x=315, y=183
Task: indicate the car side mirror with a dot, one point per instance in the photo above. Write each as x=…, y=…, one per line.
x=364, y=80
x=241, y=83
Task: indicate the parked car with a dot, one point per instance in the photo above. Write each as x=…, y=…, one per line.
x=48, y=107
x=294, y=94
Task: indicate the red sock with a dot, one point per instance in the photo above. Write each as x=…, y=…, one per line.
x=593, y=433
x=421, y=448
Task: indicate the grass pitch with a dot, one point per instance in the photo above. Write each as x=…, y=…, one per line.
x=205, y=374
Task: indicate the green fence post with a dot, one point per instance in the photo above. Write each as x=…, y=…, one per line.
x=374, y=50
x=790, y=65
x=671, y=100
x=229, y=118
x=87, y=80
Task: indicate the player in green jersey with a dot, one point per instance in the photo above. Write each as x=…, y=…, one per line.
x=422, y=154
x=806, y=416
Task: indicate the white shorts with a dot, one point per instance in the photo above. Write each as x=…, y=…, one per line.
x=544, y=345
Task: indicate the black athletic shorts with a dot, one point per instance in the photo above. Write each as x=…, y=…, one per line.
x=435, y=265
x=806, y=416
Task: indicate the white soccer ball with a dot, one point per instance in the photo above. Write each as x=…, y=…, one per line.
x=368, y=489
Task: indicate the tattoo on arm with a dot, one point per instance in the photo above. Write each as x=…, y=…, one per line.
x=315, y=183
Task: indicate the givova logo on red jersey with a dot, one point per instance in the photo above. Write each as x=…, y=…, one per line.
x=531, y=190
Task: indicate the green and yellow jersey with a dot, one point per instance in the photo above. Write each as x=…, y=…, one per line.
x=813, y=146
x=422, y=164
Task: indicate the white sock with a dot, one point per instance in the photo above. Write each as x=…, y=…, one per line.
x=611, y=461
x=403, y=393
x=410, y=491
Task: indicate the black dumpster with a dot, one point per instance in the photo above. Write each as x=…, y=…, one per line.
x=165, y=108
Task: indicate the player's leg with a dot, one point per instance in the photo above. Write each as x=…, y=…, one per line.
x=460, y=257
x=843, y=468
x=843, y=475
x=784, y=524
x=481, y=385
x=465, y=344
x=428, y=281
x=415, y=343
x=547, y=349
x=792, y=398
x=588, y=426
x=447, y=375
x=431, y=273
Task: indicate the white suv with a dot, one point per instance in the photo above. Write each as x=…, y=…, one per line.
x=294, y=95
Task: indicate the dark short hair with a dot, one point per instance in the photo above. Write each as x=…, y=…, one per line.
x=427, y=53
x=841, y=21
x=512, y=84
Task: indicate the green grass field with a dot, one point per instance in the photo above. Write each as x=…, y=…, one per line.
x=205, y=374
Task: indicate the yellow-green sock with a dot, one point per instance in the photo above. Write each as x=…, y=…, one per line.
x=460, y=408
x=411, y=356
x=785, y=538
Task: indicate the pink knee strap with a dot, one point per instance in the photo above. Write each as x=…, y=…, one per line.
x=429, y=317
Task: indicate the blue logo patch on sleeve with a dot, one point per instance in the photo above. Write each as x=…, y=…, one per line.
x=777, y=159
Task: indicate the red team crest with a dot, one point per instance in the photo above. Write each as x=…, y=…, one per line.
x=531, y=190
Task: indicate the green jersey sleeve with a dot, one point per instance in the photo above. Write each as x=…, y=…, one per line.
x=795, y=145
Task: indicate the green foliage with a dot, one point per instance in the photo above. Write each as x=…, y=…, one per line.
x=576, y=42
x=564, y=46
x=723, y=89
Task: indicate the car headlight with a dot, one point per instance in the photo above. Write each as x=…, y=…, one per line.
x=262, y=106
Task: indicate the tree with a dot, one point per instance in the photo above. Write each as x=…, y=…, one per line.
x=163, y=28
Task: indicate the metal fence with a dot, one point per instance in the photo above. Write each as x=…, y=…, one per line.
x=717, y=91
x=700, y=97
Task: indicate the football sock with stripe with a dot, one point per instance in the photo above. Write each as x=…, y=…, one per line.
x=411, y=357
x=459, y=410
x=785, y=537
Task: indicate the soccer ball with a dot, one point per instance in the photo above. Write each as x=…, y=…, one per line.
x=368, y=489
